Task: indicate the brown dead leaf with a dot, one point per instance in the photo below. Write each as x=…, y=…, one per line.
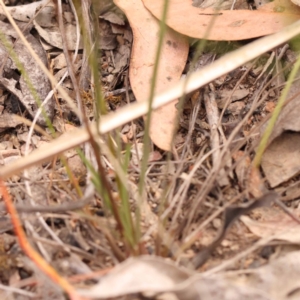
x=112, y=17
x=288, y=119
x=172, y=62
x=281, y=160
x=27, y=11
x=279, y=280
x=274, y=221
x=14, y=80
x=292, y=192
x=145, y=273
x=53, y=36
x=237, y=95
x=227, y=24
x=9, y=121
x=44, y=22
x=297, y=2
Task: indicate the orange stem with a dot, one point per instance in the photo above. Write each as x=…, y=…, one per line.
x=30, y=252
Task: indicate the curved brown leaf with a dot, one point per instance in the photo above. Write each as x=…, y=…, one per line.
x=278, y=280
x=172, y=62
x=227, y=24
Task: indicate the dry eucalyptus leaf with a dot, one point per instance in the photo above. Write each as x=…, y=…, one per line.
x=274, y=222
x=112, y=17
x=172, y=62
x=292, y=192
x=59, y=62
x=279, y=280
x=297, y=2
x=121, y=58
x=38, y=79
x=146, y=273
x=281, y=160
x=26, y=11
x=237, y=95
x=46, y=17
x=108, y=40
x=227, y=24
x=9, y=121
x=52, y=35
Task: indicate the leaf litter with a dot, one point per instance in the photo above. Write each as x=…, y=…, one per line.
x=268, y=282
x=196, y=237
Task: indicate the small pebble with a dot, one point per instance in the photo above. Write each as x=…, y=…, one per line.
x=216, y=223
x=110, y=78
